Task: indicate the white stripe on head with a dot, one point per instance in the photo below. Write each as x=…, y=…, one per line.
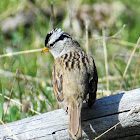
x=56, y=33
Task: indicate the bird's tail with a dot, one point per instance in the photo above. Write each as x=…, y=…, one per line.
x=74, y=109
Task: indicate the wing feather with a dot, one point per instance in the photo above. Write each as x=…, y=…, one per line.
x=58, y=84
x=92, y=83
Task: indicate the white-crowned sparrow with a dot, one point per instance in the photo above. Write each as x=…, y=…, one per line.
x=74, y=76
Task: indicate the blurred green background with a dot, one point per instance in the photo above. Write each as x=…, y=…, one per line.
x=26, y=79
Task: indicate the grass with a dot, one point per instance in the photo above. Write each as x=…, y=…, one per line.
x=2, y=102
x=26, y=73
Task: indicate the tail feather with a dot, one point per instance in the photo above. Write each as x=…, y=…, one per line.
x=75, y=130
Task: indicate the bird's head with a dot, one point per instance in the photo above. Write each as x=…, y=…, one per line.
x=55, y=42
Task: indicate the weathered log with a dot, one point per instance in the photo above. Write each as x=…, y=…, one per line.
x=105, y=113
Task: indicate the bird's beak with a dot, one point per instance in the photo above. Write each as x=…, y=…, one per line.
x=45, y=49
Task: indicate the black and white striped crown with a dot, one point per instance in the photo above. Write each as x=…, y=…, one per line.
x=54, y=36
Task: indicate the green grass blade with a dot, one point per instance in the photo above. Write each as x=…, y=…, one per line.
x=2, y=102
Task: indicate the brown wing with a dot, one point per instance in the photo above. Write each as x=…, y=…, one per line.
x=93, y=81
x=58, y=83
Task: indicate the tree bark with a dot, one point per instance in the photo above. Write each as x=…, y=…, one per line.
x=105, y=113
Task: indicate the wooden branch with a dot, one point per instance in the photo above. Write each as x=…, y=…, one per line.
x=105, y=113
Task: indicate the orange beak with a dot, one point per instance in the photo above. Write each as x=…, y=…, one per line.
x=45, y=49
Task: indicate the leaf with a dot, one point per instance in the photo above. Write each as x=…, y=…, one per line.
x=2, y=102
x=14, y=113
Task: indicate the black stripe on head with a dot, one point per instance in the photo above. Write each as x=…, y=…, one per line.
x=64, y=35
x=48, y=36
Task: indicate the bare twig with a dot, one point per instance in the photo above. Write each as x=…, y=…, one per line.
x=87, y=45
x=18, y=103
x=8, y=130
x=21, y=76
x=116, y=35
x=132, y=54
x=138, y=43
x=105, y=56
x=133, y=110
x=52, y=15
x=69, y=15
x=136, y=72
x=122, y=42
x=21, y=52
x=137, y=68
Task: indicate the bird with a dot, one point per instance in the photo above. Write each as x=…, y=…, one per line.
x=74, y=76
